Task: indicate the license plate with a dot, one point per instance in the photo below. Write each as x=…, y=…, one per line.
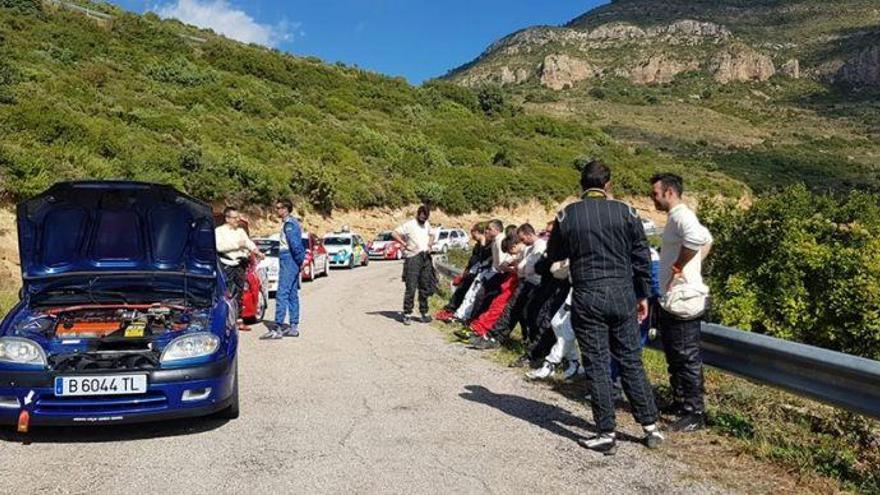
x=70, y=386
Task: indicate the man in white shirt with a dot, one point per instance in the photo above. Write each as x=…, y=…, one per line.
x=418, y=269
x=234, y=248
x=515, y=312
x=686, y=242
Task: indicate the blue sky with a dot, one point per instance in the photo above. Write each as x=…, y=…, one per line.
x=417, y=39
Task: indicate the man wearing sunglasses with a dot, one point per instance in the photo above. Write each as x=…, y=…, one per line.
x=291, y=255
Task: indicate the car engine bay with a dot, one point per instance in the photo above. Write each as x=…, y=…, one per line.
x=109, y=337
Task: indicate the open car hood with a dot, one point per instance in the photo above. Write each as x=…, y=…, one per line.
x=93, y=228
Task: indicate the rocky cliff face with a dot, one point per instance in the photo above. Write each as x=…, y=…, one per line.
x=741, y=64
x=861, y=70
x=559, y=58
x=561, y=71
x=659, y=69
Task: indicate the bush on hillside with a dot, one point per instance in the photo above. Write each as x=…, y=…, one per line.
x=800, y=266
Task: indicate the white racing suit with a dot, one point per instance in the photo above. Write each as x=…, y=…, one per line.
x=566, y=345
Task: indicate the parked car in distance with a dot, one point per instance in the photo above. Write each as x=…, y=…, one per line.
x=649, y=226
x=124, y=315
x=446, y=239
x=315, y=264
x=317, y=260
x=346, y=250
x=384, y=247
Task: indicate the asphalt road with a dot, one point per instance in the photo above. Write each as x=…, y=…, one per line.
x=359, y=404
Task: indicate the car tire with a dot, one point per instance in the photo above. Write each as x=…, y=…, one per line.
x=233, y=411
x=261, y=313
x=366, y=261
x=351, y=262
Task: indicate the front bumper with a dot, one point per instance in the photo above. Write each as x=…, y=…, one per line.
x=339, y=260
x=163, y=400
x=382, y=255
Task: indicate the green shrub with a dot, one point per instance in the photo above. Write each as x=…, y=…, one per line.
x=180, y=71
x=800, y=266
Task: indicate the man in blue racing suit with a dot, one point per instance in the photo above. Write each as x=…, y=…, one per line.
x=290, y=259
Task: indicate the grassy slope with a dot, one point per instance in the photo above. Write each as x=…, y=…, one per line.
x=229, y=121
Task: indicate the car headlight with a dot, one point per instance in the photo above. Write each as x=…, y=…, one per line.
x=193, y=345
x=16, y=350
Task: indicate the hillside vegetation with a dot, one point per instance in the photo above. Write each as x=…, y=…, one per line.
x=143, y=98
x=772, y=93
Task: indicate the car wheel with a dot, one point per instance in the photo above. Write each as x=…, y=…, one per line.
x=261, y=312
x=233, y=411
x=351, y=262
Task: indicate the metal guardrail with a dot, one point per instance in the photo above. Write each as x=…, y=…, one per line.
x=841, y=380
x=82, y=10
x=102, y=16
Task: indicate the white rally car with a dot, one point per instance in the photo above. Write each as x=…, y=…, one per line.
x=316, y=262
x=446, y=239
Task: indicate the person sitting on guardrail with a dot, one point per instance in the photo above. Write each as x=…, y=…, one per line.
x=488, y=282
x=549, y=297
x=481, y=257
x=565, y=348
x=686, y=242
x=509, y=282
x=516, y=310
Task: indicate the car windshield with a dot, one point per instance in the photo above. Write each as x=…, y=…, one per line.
x=268, y=246
x=444, y=235
x=384, y=237
x=337, y=241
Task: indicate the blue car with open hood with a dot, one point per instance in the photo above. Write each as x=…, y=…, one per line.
x=123, y=314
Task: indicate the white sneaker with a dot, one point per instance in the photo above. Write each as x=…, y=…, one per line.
x=573, y=368
x=605, y=443
x=653, y=436
x=542, y=373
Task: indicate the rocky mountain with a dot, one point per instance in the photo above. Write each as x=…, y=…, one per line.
x=771, y=92
x=649, y=42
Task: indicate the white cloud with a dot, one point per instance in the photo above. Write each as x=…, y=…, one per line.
x=229, y=21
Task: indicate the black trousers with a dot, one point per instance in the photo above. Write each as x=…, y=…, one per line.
x=458, y=296
x=548, y=298
x=515, y=313
x=236, y=276
x=418, y=274
x=681, y=344
x=605, y=322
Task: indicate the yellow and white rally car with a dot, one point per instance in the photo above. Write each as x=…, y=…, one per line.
x=346, y=250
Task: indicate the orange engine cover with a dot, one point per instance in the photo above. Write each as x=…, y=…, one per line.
x=88, y=328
